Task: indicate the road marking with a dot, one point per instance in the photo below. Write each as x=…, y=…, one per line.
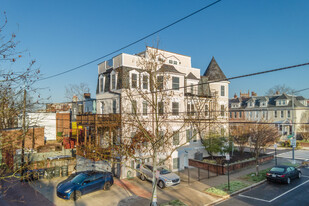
x=305, y=176
x=254, y=198
x=288, y=191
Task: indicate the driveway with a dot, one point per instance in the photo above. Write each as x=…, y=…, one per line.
x=269, y=193
x=112, y=197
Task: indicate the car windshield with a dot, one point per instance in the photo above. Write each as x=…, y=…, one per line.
x=277, y=169
x=163, y=171
x=79, y=179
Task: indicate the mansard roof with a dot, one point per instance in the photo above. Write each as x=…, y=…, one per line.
x=214, y=72
x=168, y=68
x=191, y=76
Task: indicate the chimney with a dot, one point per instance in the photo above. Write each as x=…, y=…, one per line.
x=253, y=94
x=277, y=92
x=87, y=95
x=235, y=96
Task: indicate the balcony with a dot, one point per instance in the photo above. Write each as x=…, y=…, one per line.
x=98, y=120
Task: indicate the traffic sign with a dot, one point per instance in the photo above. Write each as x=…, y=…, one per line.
x=293, y=142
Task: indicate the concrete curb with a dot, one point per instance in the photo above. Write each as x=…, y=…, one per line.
x=223, y=198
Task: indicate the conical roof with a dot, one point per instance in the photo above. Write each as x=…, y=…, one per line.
x=214, y=72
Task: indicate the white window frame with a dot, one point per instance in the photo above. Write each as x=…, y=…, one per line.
x=111, y=82
x=142, y=81
x=137, y=83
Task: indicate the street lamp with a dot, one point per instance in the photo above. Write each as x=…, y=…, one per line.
x=293, y=124
x=275, y=146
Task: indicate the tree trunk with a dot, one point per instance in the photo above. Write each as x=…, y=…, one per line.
x=154, y=181
x=257, y=163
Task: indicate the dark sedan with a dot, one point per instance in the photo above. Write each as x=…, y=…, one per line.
x=283, y=174
x=83, y=183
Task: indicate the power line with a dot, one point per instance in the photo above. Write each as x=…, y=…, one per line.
x=135, y=42
x=209, y=82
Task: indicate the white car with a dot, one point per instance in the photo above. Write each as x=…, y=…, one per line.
x=165, y=179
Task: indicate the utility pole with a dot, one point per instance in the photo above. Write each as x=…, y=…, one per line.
x=293, y=128
x=24, y=134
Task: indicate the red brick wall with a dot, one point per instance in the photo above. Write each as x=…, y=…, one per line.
x=63, y=124
x=223, y=169
x=13, y=137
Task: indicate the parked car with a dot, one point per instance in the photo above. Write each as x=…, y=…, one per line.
x=83, y=183
x=165, y=179
x=283, y=174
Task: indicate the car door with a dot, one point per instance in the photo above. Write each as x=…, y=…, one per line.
x=88, y=185
x=148, y=171
x=293, y=172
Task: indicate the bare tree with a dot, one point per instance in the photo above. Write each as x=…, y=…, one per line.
x=281, y=88
x=154, y=120
x=76, y=90
x=240, y=134
x=262, y=135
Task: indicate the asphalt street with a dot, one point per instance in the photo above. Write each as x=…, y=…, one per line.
x=295, y=193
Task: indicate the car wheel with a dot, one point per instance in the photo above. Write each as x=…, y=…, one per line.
x=75, y=195
x=288, y=181
x=299, y=175
x=142, y=177
x=107, y=185
x=161, y=184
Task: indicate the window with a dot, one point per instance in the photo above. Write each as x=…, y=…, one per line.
x=283, y=102
x=250, y=114
x=282, y=114
x=191, y=88
x=257, y=114
x=175, y=62
x=231, y=115
x=161, y=137
x=279, y=102
x=276, y=115
x=289, y=113
x=235, y=114
x=160, y=108
x=222, y=110
x=175, y=85
x=101, y=84
x=170, y=61
x=145, y=82
x=188, y=135
x=113, y=81
x=110, y=62
x=222, y=91
x=176, y=163
x=145, y=107
x=160, y=82
x=134, y=81
x=206, y=110
x=222, y=132
x=114, y=106
x=102, y=107
x=194, y=137
x=176, y=138
x=134, y=107
x=240, y=114
x=175, y=108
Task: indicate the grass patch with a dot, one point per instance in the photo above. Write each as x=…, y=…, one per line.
x=252, y=177
x=222, y=189
x=291, y=165
x=174, y=203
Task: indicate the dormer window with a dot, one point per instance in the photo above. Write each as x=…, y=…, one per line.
x=113, y=81
x=134, y=80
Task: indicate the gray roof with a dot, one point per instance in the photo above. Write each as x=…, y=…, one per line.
x=214, y=72
x=168, y=68
x=271, y=101
x=191, y=76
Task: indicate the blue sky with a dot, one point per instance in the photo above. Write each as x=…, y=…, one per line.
x=244, y=36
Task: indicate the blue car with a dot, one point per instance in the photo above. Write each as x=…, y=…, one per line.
x=84, y=183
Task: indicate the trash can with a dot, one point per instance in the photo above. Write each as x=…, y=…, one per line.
x=41, y=173
x=57, y=172
x=64, y=171
x=50, y=173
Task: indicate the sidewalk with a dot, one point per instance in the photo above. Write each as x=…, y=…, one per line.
x=191, y=193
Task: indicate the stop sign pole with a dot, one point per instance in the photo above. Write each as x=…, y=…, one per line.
x=227, y=156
